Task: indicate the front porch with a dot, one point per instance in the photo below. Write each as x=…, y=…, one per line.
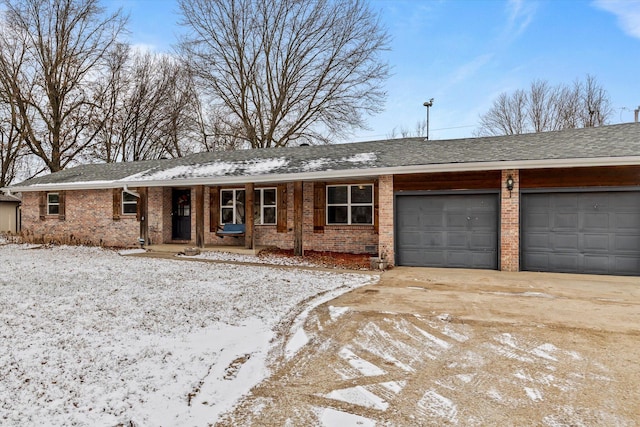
x=176, y=248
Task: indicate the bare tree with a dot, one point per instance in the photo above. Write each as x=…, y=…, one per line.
x=544, y=107
x=420, y=130
x=149, y=108
x=287, y=70
x=12, y=148
x=66, y=43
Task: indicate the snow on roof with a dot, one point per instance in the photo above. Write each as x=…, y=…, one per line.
x=601, y=146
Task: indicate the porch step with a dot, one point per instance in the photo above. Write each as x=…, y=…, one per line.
x=180, y=248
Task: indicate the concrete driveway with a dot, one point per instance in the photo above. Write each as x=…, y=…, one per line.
x=432, y=347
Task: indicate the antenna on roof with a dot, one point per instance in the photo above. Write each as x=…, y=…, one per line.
x=428, y=104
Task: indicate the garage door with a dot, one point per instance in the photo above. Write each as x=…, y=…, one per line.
x=447, y=231
x=595, y=232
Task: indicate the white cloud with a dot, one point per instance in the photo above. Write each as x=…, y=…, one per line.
x=626, y=11
x=520, y=14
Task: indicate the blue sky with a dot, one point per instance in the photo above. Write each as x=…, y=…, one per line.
x=464, y=53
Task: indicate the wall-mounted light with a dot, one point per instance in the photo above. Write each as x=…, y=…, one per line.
x=510, y=183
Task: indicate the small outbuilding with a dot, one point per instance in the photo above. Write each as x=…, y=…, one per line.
x=9, y=214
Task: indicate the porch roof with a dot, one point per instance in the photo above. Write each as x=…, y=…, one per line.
x=601, y=146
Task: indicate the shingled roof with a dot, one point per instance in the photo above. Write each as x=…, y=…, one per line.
x=601, y=146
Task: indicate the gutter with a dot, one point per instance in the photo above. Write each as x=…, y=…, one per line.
x=336, y=174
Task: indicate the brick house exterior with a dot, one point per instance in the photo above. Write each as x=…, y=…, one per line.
x=395, y=186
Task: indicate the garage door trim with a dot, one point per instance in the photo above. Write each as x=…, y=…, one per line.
x=398, y=194
x=560, y=190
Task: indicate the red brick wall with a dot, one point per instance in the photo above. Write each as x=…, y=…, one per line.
x=510, y=222
x=88, y=220
x=335, y=238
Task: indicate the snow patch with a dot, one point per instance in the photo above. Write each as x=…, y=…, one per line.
x=361, y=158
x=110, y=340
x=359, y=396
x=533, y=393
x=332, y=418
x=336, y=312
x=364, y=367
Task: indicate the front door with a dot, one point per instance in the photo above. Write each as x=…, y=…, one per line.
x=181, y=215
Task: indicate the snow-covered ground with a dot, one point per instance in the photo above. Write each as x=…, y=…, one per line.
x=90, y=337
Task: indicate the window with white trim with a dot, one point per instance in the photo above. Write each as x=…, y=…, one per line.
x=350, y=204
x=264, y=206
x=232, y=206
x=53, y=203
x=129, y=203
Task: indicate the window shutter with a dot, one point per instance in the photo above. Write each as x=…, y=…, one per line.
x=282, y=208
x=43, y=205
x=61, y=209
x=319, y=203
x=117, y=203
x=214, y=208
x=376, y=226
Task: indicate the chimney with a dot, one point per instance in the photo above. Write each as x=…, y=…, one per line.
x=636, y=111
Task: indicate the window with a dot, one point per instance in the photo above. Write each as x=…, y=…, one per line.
x=53, y=204
x=129, y=203
x=264, y=206
x=350, y=204
x=232, y=206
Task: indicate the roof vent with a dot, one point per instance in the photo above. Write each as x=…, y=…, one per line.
x=304, y=144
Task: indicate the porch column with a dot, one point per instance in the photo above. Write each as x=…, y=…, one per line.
x=143, y=213
x=386, y=242
x=200, y=216
x=510, y=222
x=248, y=215
x=297, y=218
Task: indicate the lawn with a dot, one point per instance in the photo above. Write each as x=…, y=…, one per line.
x=91, y=337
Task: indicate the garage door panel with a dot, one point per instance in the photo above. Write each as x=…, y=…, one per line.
x=456, y=220
x=565, y=221
x=627, y=265
x=627, y=243
x=564, y=261
x=593, y=201
x=457, y=239
x=455, y=230
x=596, y=242
x=538, y=220
x=413, y=257
x=429, y=219
x=430, y=238
x=483, y=220
x=539, y=240
x=432, y=258
x=564, y=241
x=627, y=221
x=564, y=202
x=458, y=258
x=586, y=232
x=596, y=264
x=595, y=221
x=481, y=241
x=484, y=259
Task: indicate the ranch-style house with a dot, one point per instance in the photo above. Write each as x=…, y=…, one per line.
x=564, y=201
